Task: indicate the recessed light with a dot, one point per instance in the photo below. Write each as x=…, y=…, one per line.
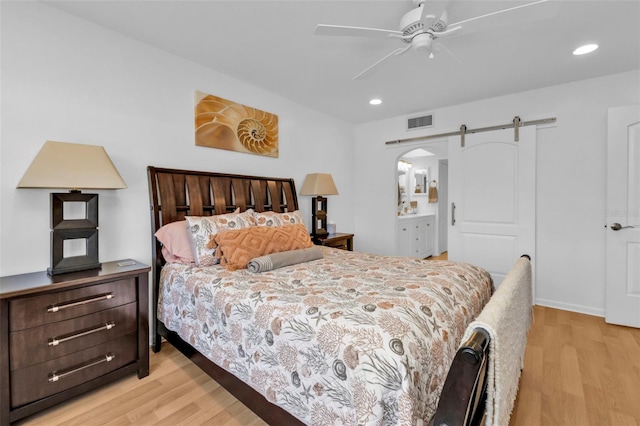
x=583, y=50
x=375, y=101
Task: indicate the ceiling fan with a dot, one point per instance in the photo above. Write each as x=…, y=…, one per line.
x=427, y=22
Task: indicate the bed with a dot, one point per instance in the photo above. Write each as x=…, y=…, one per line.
x=347, y=338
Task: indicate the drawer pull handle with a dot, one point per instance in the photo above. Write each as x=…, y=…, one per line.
x=57, y=375
x=56, y=308
x=55, y=341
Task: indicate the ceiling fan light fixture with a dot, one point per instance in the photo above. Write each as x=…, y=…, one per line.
x=375, y=101
x=422, y=41
x=583, y=50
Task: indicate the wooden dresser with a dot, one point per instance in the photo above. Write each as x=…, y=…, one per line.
x=63, y=335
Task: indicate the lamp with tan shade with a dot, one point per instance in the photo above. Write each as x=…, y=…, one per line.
x=318, y=185
x=62, y=165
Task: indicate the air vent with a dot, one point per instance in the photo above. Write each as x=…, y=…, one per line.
x=420, y=122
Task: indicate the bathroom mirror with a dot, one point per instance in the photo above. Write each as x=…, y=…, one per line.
x=403, y=181
x=421, y=181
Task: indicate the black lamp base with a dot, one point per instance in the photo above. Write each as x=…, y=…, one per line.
x=321, y=233
x=319, y=216
x=81, y=267
x=62, y=229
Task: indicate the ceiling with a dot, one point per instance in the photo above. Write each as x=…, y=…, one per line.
x=271, y=45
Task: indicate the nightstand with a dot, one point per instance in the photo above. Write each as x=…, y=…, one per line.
x=337, y=240
x=63, y=335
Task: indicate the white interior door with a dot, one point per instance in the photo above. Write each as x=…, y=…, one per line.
x=623, y=217
x=492, y=199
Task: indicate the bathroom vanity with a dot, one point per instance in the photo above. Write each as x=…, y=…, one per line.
x=415, y=235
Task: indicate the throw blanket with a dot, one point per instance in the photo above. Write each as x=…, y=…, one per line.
x=284, y=258
x=506, y=318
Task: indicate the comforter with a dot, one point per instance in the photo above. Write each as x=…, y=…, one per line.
x=350, y=339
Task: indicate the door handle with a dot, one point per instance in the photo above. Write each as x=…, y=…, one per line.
x=453, y=214
x=616, y=226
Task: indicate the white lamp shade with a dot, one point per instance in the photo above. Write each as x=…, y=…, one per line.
x=318, y=184
x=72, y=166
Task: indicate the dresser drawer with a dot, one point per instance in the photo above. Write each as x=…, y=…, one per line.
x=342, y=244
x=38, y=381
x=47, y=308
x=64, y=337
x=339, y=240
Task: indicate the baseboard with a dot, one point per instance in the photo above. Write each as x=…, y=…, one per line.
x=570, y=307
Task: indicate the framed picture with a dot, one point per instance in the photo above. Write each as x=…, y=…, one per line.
x=224, y=124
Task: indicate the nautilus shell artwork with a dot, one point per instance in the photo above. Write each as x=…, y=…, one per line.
x=224, y=124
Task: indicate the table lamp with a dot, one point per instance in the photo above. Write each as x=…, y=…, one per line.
x=318, y=185
x=72, y=166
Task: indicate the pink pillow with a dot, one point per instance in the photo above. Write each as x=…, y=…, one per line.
x=176, y=247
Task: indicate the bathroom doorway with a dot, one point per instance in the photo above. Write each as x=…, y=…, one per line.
x=421, y=172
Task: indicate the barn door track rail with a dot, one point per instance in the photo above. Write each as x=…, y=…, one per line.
x=515, y=124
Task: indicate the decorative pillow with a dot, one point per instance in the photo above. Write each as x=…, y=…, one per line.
x=277, y=219
x=176, y=247
x=237, y=247
x=204, y=228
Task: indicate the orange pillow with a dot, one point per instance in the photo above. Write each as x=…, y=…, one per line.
x=237, y=247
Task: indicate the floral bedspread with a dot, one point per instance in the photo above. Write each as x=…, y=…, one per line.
x=349, y=339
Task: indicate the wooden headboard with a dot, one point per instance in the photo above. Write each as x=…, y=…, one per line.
x=178, y=193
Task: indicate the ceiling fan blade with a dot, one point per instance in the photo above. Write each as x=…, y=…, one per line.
x=398, y=51
x=432, y=11
x=449, y=31
x=343, y=30
x=534, y=11
x=440, y=46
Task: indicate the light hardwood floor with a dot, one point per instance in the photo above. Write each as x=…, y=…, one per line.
x=443, y=256
x=578, y=371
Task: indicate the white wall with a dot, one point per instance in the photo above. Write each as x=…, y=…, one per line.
x=570, y=212
x=66, y=79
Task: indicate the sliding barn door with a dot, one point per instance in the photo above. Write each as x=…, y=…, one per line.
x=492, y=199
